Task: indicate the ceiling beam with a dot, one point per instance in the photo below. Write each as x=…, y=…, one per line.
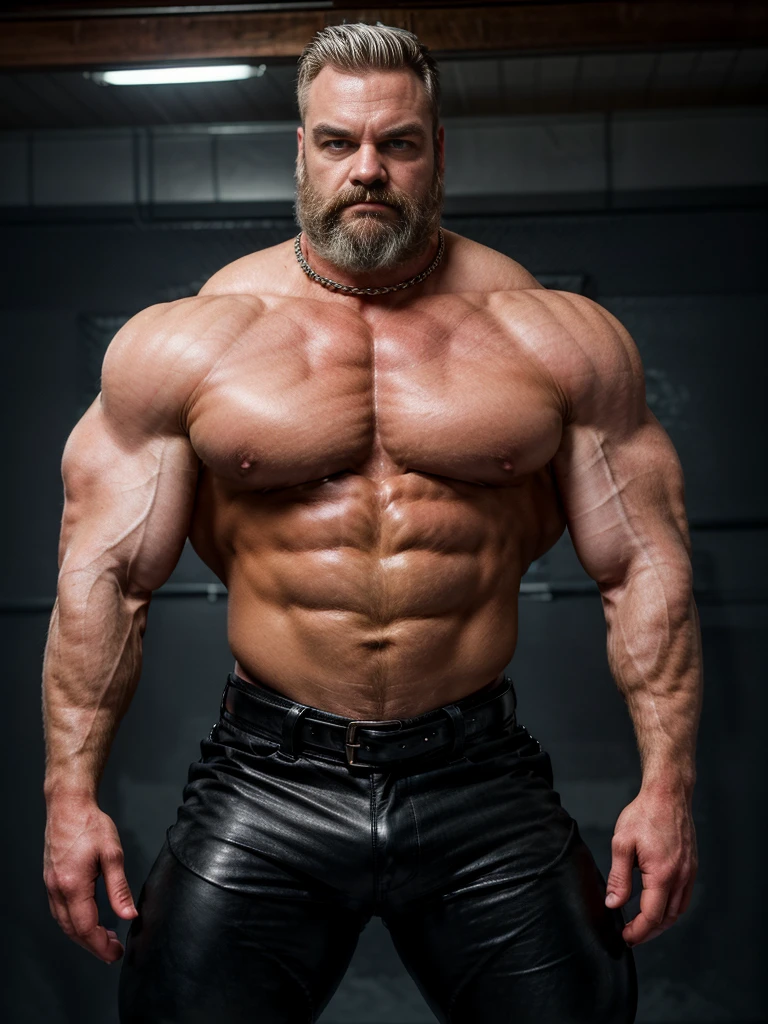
x=123, y=8
x=99, y=41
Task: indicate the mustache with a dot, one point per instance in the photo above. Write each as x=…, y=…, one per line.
x=360, y=194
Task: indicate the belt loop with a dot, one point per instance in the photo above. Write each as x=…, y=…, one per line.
x=288, y=743
x=459, y=730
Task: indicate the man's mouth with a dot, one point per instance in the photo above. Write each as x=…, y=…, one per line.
x=373, y=210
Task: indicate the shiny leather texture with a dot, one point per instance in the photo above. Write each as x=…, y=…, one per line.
x=447, y=731
x=254, y=905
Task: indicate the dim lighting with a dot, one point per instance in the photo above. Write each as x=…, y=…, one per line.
x=178, y=76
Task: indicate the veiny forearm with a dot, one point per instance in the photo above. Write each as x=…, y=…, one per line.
x=654, y=651
x=91, y=668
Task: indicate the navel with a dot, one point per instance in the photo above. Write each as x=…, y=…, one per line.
x=376, y=645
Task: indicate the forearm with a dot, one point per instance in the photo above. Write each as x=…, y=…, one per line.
x=654, y=652
x=91, y=668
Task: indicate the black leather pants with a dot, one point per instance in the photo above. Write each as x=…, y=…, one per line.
x=254, y=905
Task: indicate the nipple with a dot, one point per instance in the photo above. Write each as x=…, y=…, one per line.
x=245, y=464
x=507, y=465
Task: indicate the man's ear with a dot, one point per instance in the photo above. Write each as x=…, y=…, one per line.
x=299, y=141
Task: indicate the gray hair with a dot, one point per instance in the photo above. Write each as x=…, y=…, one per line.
x=361, y=47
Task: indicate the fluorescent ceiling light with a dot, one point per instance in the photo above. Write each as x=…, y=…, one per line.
x=179, y=76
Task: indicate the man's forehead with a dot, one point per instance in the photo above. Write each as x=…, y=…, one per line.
x=379, y=97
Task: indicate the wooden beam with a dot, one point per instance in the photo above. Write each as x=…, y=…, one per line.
x=123, y=8
x=106, y=41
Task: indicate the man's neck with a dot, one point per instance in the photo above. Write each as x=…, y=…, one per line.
x=373, y=278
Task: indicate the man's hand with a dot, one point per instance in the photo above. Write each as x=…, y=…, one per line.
x=80, y=843
x=657, y=828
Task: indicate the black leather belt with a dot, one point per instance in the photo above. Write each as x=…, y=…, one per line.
x=448, y=730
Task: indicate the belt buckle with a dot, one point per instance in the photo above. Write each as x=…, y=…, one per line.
x=351, y=735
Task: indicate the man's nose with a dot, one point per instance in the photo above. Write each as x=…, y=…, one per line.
x=367, y=168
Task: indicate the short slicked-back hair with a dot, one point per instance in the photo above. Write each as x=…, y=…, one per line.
x=360, y=47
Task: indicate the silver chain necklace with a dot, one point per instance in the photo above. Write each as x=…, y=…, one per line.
x=351, y=289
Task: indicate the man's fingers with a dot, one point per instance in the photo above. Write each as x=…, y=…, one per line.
x=652, y=934
x=113, y=945
x=673, y=904
x=110, y=943
x=104, y=944
x=87, y=931
x=58, y=906
x=653, y=906
x=77, y=851
x=77, y=916
x=640, y=929
x=687, y=893
x=619, y=885
x=116, y=884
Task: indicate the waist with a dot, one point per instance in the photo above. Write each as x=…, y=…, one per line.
x=369, y=690
x=337, y=662
x=443, y=732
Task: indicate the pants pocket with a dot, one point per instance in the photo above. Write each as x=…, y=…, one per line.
x=515, y=743
x=229, y=733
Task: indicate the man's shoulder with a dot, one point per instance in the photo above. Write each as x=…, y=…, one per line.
x=593, y=334
x=179, y=340
x=588, y=352
x=479, y=268
x=562, y=321
x=157, y=360
x=474, y=267
x=165, y=331
x=583, y=349
x=514, y=293
x=264, y=272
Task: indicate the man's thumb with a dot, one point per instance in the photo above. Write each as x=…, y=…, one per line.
x=118, y=890
x=619, y=885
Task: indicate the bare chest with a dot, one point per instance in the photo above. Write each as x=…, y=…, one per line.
x=309, y=391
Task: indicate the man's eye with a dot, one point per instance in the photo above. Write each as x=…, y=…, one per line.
x=336, y=144
x=399, y=143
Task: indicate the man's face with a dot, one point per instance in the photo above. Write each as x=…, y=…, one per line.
x=369, y=177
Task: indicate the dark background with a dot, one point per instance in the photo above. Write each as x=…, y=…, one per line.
x=631, y=167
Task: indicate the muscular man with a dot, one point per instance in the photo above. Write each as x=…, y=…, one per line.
x=369, y=437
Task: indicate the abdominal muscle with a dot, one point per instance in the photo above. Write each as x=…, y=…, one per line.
x=373, y=599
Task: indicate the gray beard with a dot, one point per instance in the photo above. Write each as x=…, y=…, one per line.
x=367, y=242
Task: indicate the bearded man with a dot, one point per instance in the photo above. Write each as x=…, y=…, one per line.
x=369, y=433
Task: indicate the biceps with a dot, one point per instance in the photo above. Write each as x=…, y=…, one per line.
x=624, y=500
x=126, y=508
